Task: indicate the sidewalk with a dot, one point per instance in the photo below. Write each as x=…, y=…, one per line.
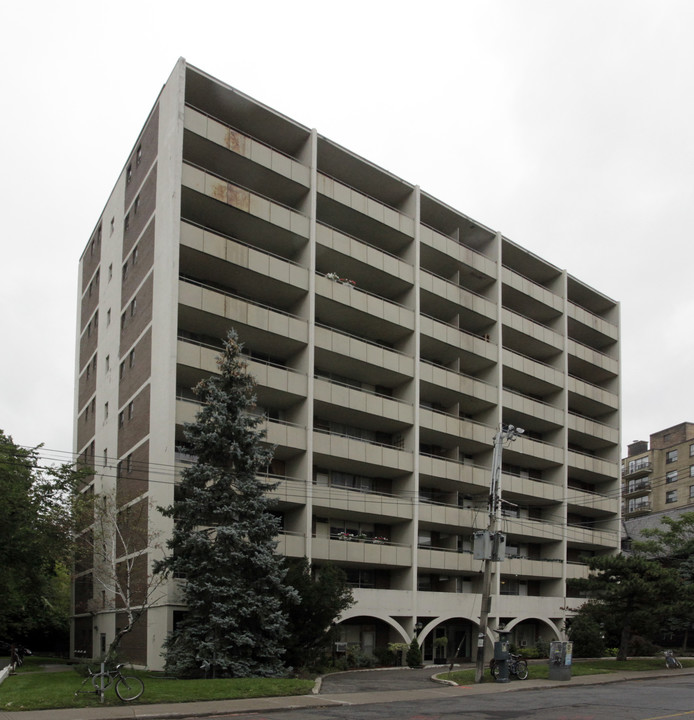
x=222, y=707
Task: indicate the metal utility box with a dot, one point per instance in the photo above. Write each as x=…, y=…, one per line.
x=489, y=546
x=560, y=656
x=502, y=654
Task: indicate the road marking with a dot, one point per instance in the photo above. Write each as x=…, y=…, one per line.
x=663, y=717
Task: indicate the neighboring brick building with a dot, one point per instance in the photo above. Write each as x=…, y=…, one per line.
x=660, y=477
x=390, y=335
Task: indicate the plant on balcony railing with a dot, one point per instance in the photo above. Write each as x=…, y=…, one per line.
x=345, y=536
x=343, y=281
x=379, y=540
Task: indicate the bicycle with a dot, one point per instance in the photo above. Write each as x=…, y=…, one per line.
x=516, y=666
x=671, y=662
x=127, y=687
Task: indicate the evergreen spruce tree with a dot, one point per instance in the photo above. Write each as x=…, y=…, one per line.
x=223, y=538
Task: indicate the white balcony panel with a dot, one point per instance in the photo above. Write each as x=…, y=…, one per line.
x=364, y=402
x=370, y=305
x=524, y=567
x=358, y=451
x=456, y=427
x=457, y=383
x=288, y=491
x=592, y=501
x=447, y=561
x=290, y=436
x=361, y=252
x=575, y=571
x=593, y=392
x=243, y=256
x=579, y=314
x=291, y=545
x=594, y=465
x=449, y=516
x=595, y=538
x=586, y=426
x=532, y=329
x=533, y=408
x=459, y=253
x=361, y=552
x=526, y=446
x=457, y=295
x=245, y=146
x=381, y=507
x=365, y=205
x=533, y=530
x=371, y=601
x=356, y=349
x=438, y=467
x=593, y=357
x=456, y=338
x=532, y=290
x=244, y=200
x=532, y=368
x=531, y=488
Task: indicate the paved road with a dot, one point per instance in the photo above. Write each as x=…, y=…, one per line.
x=670, y=698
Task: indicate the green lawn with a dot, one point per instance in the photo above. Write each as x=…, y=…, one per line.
x=44, y=690
x=579, y=667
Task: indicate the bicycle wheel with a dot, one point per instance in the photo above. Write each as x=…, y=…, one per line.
x=494, y=668
x=521, y=670
x=129, y=688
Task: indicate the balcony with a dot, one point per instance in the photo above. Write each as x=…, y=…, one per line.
x=445, y=560
x=365, y=553
x=444, y=343
x=638, y=469
x=365, y=360
x=366, y=506
x=210, y=311
x=359, y=312
x=231, y=209
x=637, y=487
x=351, y=454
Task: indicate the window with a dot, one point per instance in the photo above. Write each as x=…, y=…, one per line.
x=121, y=371
x=105, y=457
x=129, y=174
x=134, y=254
x=122, y=321
x=131, y=358
x=138, y=155
x=691, y=451
x=125, y=270
x=638, y=464
x=671, y=476
x=671, y=496
x=136, y=205
x=89, y=370
x=133, y=306
x=671, y=456
x=126, y=222
x=691, y=471
x=120, y=419
x=131, y=411
x=691, y=492
x=129, y=463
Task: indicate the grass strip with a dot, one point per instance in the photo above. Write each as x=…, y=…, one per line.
x=538, y=671
x=46, y=690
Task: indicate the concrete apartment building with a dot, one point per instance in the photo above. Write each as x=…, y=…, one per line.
x=659, y=478
x=390, y=336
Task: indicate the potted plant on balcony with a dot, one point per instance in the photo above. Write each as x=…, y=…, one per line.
x=379, y=540
x=344, y=535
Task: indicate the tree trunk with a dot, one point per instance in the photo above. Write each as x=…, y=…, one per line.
x=625, y=639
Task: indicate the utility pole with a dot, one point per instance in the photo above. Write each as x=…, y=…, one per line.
x=506, y=433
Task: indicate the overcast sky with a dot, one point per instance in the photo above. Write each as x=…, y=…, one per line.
x=566, y=125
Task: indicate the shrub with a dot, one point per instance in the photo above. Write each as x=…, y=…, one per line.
x=414, y=655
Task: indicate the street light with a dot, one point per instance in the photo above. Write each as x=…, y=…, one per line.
x=507, y=433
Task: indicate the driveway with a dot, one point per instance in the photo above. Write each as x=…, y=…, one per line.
x=380, y=679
